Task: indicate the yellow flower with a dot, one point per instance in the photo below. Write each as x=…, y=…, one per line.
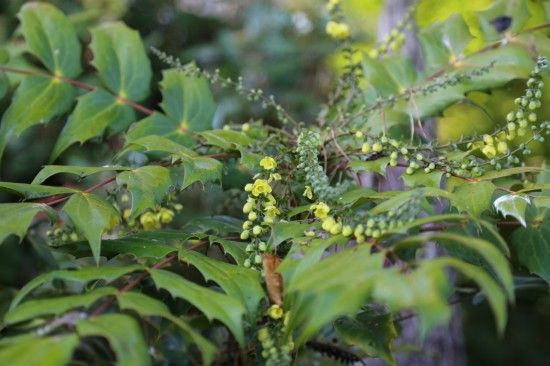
x=271, y=211
x=165, y=215
x=268, y=163
x=488, y=139
x=275, y=312
x=489, y=151
x=261, y=186
x=149, y=221
x=502, y=147
x=275, y=176
x=270, y=200
x=263, y=334
x=321, y=210
x=308, y=192
x=337, y=31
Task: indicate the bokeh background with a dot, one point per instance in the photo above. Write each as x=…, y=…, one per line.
x=278, y=46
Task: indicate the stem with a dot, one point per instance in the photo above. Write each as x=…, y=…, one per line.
x=78, y=84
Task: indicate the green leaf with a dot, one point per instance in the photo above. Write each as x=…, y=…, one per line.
x=425, y=290
x=287, y=230
x=443, y=41
x=81, y=276
x=188, y=106
x=51, y=37
x=490, y=288
x=147, y=306
x=94, y=112
x=55, y=305
x=238, y=282
x=213, y=304
x=488, y=251
x=371, y=330
x=227, y=139
x=160, y=144
x=139, y=246
x=339, y=285
x=234, y=248
x=310, y=255
x=82, y=171
x=124, y=335
x=372, y=166
x=532, y=247
x=421, y=179
x=91, y=216
x=148, y=185
x=187, y=100
x=34, y=191
x=15, y=218
x=475, y=197
x=126, y=71
x=201, y=169
x=43, y=351
x=38, y=99
x=495, y=174
x=517, y=10
x=513, y=205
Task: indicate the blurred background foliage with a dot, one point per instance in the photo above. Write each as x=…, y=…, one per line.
x=279, y=46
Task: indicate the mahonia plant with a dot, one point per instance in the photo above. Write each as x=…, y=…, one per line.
x=316, y=246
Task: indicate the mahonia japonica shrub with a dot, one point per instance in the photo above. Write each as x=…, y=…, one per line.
x=304, y=259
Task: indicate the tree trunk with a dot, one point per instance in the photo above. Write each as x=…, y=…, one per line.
x=444, y=345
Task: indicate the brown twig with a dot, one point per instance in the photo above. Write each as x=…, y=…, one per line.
x=78, y=84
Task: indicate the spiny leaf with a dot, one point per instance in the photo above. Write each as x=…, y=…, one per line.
x=124, y=335
x=43, y=351
x=15, y=218
x=371, y=330
x=238, y=282
x=147, y=306
x=92, y=216
x=513, y=205
x=34, y=191
x=148, y=185
x=475, y=197
x=490, y=288
x=213, y=304
x=488, y=251
x=50, y=36
x=82, y=171
x=81, y=276
x=188, y=106
x=532, y=246
x=201, y=169
x=55, y=305
x=125, y=71
x=38, y=99
x=234, y=248
x=94, y=113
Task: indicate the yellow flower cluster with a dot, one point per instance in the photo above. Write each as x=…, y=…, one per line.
x=493, y=146
x=261, y=210
x=335, y=226
x=339, y=31
x=153, y=220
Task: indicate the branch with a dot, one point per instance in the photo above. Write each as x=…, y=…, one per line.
x=78, y=84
